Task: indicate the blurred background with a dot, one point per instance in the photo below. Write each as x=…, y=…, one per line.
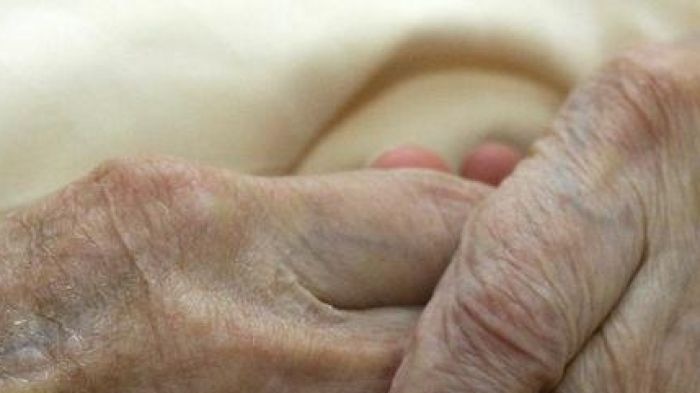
x=278, y=87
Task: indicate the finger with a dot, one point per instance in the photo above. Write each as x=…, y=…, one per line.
x=548, y=256
x=353, y=352
x=371, y=239
x=490, y=163
x=411, y=157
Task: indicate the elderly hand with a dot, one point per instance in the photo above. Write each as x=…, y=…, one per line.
x=160, y=276
x=581, y=273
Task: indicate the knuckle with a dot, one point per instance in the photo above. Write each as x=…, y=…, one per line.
x=145, y=175
x=671, y=64
x=640, y=101
x=660, y=84
x=156, y=187
x=136, y=211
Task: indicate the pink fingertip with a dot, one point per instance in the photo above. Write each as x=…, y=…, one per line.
x=410, y=157
x=490, y=163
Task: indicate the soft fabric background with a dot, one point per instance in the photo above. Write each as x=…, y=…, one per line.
x=298, y=86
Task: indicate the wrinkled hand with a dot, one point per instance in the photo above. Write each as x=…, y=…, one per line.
x=160, y=276
x=582, y=273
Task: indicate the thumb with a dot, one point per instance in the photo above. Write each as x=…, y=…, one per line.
x=373, y=238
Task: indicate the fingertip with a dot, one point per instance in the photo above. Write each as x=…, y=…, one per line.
x=410, y=157
x=490, y=163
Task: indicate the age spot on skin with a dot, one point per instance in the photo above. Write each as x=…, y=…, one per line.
x=28, y=348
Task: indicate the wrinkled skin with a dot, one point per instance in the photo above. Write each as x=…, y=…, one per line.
x=581, y=273
x=159, y=276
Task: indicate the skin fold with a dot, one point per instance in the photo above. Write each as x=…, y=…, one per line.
x=155, y=275
x=580, y=273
